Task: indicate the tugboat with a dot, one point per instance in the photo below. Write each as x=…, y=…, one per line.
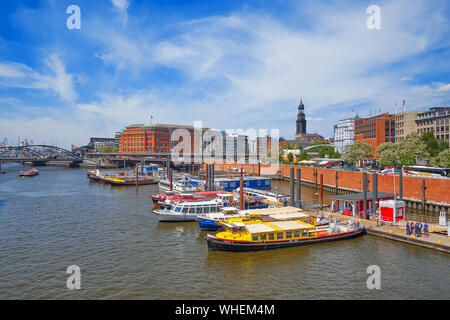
x=274, y=232
x=29, y=173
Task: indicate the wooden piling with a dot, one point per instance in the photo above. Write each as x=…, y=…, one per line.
x=241, y=191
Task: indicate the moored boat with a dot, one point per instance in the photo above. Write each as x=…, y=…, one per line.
x=187, y=210
x=278, y=231
x=183, y=185
x=122, y=181
x=166, y=200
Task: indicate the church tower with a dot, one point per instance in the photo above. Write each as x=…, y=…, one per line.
x=301, y=120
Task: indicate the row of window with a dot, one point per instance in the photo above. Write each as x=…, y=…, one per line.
x=197, y=209
x=280, y=235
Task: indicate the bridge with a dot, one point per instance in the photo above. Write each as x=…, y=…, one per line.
x=38, y=155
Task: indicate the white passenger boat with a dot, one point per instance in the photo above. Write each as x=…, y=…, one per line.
x=269, y=196
x=187, y=211
x=183, y=185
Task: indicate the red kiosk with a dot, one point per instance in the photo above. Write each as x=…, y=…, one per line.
x=392, y=210
x=353, y=204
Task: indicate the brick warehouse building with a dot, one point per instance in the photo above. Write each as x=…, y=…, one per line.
x=150, y=138
x=375, y=130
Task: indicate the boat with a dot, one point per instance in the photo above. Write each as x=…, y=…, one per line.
x=29, y=173
x=166, y=200
x=183, y=185
x=130, y=181
x=231, y=183
x=277, y=198
x=211, y=221
x=187, y=210
x=278, y=230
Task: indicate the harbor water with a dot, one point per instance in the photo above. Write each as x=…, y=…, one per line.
x=59, y=218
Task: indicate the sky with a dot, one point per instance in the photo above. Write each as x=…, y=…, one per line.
x=230, y=64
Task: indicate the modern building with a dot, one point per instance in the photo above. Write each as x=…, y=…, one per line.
x=375, y=130
x=151, y=138
x=96, y=143
x=437, y=120
x=344, y=133
x=405, y=123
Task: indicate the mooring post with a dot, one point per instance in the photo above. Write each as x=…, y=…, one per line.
x=137, y=174
x=401, y=183
x=375, y=193
x=171, y=177
x=423, y=194
x=299, y=194
x=336, y=186
x=206, y=178
x=321, y=191
x=259, y=169
x=315, y=177
x=213, y=173
x=241, y=191
x=292, y=187
x=364, y=195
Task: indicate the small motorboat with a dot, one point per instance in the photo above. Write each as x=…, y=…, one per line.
x=29, y=173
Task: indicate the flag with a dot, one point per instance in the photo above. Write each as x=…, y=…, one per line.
x=390, y=170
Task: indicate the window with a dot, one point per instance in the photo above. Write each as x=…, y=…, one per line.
x=191, y=209
x=288, y=235
x=177, y=209
x=263, y=237
x=271, y=236
x=255, y=237
x=296, y=234
x=304, y=233
x=199, y=209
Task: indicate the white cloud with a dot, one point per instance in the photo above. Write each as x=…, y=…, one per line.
x=122, y=7
x=16, y=75
x=445, y=87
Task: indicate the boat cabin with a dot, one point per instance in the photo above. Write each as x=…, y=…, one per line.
x=353, y=204
x=197, y=207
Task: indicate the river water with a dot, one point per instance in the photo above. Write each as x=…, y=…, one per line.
x=59, y=218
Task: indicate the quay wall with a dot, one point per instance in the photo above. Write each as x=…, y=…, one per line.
x=436, y=196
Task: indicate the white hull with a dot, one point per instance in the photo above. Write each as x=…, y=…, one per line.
x=170, y=217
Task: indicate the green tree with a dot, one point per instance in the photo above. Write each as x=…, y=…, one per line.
x=290, y=157
x=433, y=146
x=442, y=159
x=403, y=153
x=303, y=156
x=357, y=152
x=108, y=149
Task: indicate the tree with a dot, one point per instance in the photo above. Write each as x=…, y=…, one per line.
x=108, y=149
x=433, y=146
x=403, y=153
x=290, y=157
x=357, y=152
x=442, y=159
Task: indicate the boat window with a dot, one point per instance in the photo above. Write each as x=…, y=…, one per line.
x=177, y=209
x=185, y=209
x=263, y=237
x=255, y=237
x=191, y=209
x=271, y=236
x=304, y=233
x=279, y=235
x=288, y=235
x=296, y=234
x=199, y=209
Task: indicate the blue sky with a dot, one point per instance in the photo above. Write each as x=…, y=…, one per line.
x=230, y=64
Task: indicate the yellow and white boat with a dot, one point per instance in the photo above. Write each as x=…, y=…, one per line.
x=278, y=228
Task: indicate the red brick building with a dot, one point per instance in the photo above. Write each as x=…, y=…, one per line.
x=375, y=130
x=151, y=138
